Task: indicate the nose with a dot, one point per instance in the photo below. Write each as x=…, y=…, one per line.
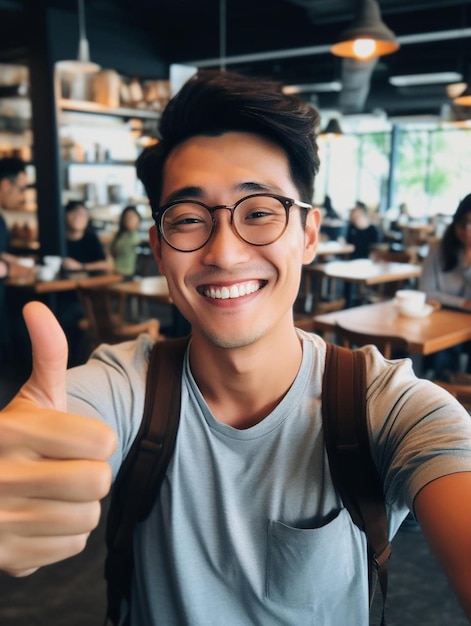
x=225, y=248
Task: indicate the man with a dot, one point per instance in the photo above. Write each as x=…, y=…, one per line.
x=13, y=185
x=248, y=528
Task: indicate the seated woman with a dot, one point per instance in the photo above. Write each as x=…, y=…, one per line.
x=84, y=252
x=446, y=277
x=124, y=245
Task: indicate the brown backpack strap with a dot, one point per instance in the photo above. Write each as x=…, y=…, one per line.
x=354, y=473
x=140, y=476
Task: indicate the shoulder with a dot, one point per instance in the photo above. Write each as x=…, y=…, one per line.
x=111, y=387
x=418, y=432
x=91, y=236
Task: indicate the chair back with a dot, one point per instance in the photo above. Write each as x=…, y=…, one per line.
x=97, y=307
x=388, y=345
x=103, y=323
x=460, y=390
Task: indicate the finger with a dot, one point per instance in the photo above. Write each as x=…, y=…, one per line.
x=21, y=556
x=49, y=518
x=70, y=481
x=36, y=431
x=46, y=385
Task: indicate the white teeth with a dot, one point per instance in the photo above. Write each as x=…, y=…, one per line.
x=234, y=291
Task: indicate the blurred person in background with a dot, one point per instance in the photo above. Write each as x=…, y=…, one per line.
x=13, y=185
x=84, y=252
x=361, y=232
x=446, y=277
x=123, y=248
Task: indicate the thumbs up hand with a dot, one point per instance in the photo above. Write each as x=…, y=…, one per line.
x=53, y=465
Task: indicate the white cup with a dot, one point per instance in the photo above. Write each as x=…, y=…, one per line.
x=410, y=300
x=45, y=272
x=54, y=262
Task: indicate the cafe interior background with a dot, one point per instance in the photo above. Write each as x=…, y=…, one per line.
x=405, y=137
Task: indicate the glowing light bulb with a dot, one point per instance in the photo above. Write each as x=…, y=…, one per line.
x=364, y=48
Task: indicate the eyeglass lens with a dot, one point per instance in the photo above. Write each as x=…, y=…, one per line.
x=258, y=220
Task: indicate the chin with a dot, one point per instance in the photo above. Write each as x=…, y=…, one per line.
x=232, y=340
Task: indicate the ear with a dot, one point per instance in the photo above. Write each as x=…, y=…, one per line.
x=156, y=247
x=311, y=235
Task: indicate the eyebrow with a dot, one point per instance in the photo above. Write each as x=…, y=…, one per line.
x=195, y=192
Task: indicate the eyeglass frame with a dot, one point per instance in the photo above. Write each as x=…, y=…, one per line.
x=287, y=203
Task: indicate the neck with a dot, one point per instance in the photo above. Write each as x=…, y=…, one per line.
x=74, y=235
x=242, y=386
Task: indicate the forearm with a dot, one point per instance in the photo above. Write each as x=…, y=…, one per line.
x=96, y=266
x=443, y=508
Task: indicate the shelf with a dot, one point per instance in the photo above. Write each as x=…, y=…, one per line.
x=86, y=106
x=111, y=162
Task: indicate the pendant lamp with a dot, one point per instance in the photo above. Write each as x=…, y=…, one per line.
x=367, y=37
x=82, y=65
x=332, y=129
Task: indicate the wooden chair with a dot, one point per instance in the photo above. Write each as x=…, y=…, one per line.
x=306, y=321
x=460, y=390
x=102, y=323
x=388, y=345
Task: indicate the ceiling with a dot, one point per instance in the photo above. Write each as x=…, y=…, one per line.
x=289, y=40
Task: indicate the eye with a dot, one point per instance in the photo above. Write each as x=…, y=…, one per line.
x=184, y=216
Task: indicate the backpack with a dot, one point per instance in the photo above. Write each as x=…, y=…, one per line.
x=346, y=439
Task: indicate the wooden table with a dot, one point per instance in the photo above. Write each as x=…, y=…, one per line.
x=365, y=271
x=66, y=282
x=358, y=271
x=48, y=290
x=150, y=288
x=334, y=248
x=441, y=329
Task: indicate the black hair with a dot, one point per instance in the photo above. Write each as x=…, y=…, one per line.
x=450, y=245
x=121, y=225
x=10, y=167
x=213, y=102
x=74, y=204
x=330, y=212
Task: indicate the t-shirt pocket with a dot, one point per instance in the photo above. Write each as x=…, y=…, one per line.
x=306, y=566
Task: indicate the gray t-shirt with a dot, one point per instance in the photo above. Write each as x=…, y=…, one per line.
x=248, y=529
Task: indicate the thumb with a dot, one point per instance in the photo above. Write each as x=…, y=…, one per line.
x=46, y=385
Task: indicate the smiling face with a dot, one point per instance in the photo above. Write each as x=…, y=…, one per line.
x=234, y=293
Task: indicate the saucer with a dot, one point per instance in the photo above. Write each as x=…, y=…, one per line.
x=410, y=312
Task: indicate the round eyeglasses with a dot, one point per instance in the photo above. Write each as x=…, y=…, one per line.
x=258, y=219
